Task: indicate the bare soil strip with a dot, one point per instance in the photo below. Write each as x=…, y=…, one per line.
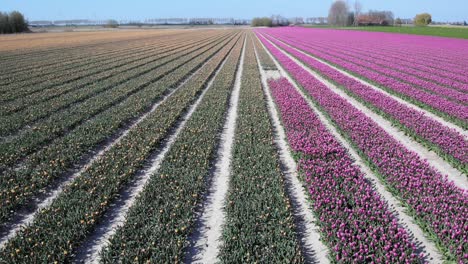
x=313, y=249
x=423, y=243
x=206, y=237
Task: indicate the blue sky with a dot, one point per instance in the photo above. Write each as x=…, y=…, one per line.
x=441, y=10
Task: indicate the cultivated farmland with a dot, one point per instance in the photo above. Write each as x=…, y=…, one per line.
x=284, y=145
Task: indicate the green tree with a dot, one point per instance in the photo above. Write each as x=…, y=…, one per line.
x=423, y=19
x=262, y=22
x=398, y=22
x=17, y=22
x=111, y=23
x=4, y=24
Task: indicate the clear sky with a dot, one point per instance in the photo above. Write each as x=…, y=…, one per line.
x=441, y=10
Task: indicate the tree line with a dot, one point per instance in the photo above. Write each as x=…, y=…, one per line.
x=341, y=15
x=12, y=22
x=273, y=21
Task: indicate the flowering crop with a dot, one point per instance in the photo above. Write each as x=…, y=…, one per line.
x=42, y=168
x=74, y=214
x=163, y=213
x=452, y=144
x=440, y=207
x=259, y=225
x=392, y=70
x=27, y=109
x=355, y=222
x=434, y=102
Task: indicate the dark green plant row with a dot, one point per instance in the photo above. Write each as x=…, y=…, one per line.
x=62, y=64
x=163, y=217
x=18, y=90
x=39, y=170
x=259, y=223
x=49, y=77
x=59, y=123
x=265, y=60
x=59, y=229
x=61, y=97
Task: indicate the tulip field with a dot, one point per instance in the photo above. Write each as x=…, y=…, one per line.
x=270, y=145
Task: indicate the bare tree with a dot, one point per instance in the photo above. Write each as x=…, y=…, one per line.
x=338, y=14
x=357, y=11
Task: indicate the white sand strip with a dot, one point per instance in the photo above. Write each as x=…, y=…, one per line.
x=207, y=235
x=313, y=249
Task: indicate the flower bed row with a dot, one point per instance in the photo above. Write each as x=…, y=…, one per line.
x=399, y=73
x=39, y=170
x=456, y=81
x=259, y=226
x=439, y=207
x=38, y=106
x=354, y=221
x=448, y=143
x=439, y=71
x=162, y=218
x=265, y=60
x=37, y=60
x=45, y=79
x=100, y=54
x=440, y=53
x=60, y=123
x=20, y=89
x=434, y=103
x=59, y=229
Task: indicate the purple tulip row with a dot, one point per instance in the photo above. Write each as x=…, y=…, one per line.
x=399, y=72
x=441, y=53
x=439, y=206
x=441, y=104
x=355, y=222
x=442, y=72
x=414, y=67
x=447, y=140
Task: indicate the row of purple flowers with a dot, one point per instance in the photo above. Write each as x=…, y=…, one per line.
x=435, y=102
x=440, y=71
x=355, y=222
x=451, y=144
x=400, y=73
x=438, y=205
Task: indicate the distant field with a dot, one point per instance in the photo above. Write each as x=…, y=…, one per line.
x=450, y=32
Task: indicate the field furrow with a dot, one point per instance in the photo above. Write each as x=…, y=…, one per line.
x=259, y=226
x=448, y=143
x=83, y=203
x=47, y=63
x=400, y=74
x=49, y=164
x=440, y=106
x=15, y=93
x=61, y=122
x=39, y=106
x=187, y=165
